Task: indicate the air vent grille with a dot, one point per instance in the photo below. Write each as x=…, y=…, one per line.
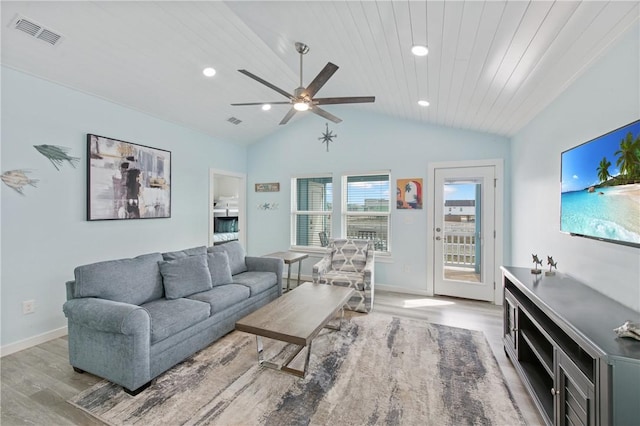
x=28, y=27
x=49, y=36
x=234, y=120
x=36, y=30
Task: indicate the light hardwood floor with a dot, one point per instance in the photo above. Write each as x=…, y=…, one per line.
x=37, y=382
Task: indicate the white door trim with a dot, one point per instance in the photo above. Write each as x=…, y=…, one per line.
x=498, y=163
x=242, y=204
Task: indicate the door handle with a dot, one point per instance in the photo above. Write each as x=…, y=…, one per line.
x=438, y=238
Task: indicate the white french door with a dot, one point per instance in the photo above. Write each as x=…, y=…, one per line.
x=464, y=232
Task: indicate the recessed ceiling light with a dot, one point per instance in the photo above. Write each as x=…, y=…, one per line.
x=266, y=107
x=209, y=72
x=423, y=103
x=419, y=50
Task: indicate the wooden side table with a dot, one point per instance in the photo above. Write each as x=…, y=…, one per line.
x=290, y=257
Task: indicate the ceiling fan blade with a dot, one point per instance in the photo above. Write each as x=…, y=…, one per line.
x=325, y=114
x=287, y=117
x=321, y=79
x=263, y=103
x=344, y=100
x=266, y=83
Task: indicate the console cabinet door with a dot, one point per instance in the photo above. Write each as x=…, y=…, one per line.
x=510, y=322
x=574, y=393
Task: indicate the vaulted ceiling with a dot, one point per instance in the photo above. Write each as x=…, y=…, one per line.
x=492, y=66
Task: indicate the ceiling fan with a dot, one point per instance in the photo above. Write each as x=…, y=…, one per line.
x=303, y=98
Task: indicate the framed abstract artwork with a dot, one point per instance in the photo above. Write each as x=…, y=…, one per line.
x=126, y=180
x=409, y=193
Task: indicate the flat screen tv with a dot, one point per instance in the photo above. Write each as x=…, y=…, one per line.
x=601, y=187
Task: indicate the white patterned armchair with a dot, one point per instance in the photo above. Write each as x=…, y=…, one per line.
x=349, y=263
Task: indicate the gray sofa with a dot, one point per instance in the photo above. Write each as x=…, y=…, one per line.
x=131, y=319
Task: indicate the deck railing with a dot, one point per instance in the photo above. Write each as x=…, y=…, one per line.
x=459, y=249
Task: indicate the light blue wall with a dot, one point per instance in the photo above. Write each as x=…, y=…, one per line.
x=45, y=234
x=606, y=97
x=366, y=142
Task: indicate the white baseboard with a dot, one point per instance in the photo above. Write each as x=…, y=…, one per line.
x=32, y=341
x=403, y=290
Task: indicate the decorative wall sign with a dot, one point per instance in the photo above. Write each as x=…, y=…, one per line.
x=127, y=180
x=409, y=193
x=18, y=179
x=57, y=155
x=268, y=187
x=327, y=136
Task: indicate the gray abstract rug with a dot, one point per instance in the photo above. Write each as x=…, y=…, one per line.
x=378, y=369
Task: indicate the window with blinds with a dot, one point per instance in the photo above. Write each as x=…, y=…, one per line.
x=311, y=210
x=366, y=208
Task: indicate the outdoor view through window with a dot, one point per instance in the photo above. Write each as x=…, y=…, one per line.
x=365, y=210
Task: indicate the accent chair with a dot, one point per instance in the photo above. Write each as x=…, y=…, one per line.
x=349, y=263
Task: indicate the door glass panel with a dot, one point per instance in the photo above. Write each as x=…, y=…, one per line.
x=462, y=250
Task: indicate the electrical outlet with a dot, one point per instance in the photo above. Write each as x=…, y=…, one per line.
x=406, y=268
x=28, y=307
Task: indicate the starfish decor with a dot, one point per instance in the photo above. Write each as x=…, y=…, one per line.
x=327, y=136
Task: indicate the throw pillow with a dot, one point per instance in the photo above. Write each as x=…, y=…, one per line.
x=219, y=268
x=194, y=251
x=226, y=224
x=134, y=281
x=236, y=254
x=185, y=276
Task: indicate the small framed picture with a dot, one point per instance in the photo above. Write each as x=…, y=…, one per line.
x=268, y=187
x=409, y=194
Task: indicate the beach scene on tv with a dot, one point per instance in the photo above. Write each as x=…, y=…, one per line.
x=601, y=187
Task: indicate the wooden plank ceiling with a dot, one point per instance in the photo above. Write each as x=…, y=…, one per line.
x=492, y=66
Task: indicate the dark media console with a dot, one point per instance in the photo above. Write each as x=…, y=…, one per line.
x=559, y=335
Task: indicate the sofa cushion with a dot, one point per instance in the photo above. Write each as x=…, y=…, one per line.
x=354, y=280
x=222, y=297
x=256, y=281
x=133, y=281
x=219, y=268
x=236, y=254
x=169, y=317
x=185, y=276
x=194, y=251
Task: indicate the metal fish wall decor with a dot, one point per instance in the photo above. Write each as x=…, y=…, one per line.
x=57, y=155
x=17, y=180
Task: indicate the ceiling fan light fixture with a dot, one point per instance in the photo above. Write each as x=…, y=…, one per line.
x=423, y=103
x=266, y=107
x=209, y=72
x=301, y=106
x=419, y=50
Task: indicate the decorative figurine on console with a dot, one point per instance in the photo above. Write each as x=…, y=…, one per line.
x=536, y=262
x=629, y=329
x=552, y=265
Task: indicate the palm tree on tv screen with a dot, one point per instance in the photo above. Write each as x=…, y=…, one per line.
x=603, y=169
x=628, y=159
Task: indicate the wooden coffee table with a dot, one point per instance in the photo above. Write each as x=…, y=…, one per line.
x=296, y=317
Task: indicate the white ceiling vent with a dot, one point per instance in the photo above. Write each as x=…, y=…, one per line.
x=36, y=30
x=234, y=120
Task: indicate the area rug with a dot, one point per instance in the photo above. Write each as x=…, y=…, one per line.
x=377, y=369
